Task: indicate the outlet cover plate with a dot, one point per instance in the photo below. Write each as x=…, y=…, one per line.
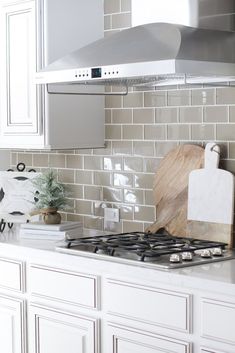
x=111, y=215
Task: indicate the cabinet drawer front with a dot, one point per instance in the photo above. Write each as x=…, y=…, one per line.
x=64, y=286
x=125, y=339
x=151, y=305
x=12, y=275
x=218, y=320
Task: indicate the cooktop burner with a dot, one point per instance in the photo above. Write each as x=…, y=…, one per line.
x=160, y=249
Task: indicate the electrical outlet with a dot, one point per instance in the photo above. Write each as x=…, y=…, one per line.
x=111, y=215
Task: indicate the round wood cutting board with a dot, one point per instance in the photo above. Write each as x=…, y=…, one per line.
x=170, y=188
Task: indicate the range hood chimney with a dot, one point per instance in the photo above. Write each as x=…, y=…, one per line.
x=159, y=53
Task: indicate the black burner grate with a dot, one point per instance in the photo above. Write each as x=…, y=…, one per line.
x=143, y=245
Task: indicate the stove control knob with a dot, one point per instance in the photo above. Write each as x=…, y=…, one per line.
x=175, y=258
x=217, y=252
x=187, y=256
x=206, y=253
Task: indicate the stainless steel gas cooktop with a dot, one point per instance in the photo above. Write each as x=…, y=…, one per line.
x=160, y=250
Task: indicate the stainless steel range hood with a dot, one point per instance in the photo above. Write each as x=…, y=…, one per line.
x=150, y=54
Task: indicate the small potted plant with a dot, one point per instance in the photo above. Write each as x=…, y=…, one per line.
x=49, y=197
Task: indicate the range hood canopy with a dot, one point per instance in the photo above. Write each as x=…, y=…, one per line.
x=150, y=54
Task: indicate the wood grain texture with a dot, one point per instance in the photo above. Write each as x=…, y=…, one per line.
x=170, y=188
x=211, y=231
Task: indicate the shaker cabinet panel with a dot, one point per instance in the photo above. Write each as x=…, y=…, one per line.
x=126, y=340
x=18, y=65
x=52, y=331
x=12, y=326
x=218, y=320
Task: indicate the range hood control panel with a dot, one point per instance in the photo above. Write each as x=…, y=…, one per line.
x=97, y=73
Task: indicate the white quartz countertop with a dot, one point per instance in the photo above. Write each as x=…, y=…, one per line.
x=219, y=276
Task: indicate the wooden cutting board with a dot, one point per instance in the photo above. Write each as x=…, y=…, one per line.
x=170, y=189
x=211, y=200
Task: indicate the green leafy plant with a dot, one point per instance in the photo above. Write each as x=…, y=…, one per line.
x=49, y=192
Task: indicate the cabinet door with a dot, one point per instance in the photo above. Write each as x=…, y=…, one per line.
x=59, y=332
x=12, y=326
x=18, y=66
x=127, y=340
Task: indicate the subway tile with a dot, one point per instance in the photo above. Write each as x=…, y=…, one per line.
x=108, y=116
x=225, y=132
x=112, y=163
x=190, y=114
x=40, y=160
x=109, y=33
x=75, y=218
x=74, y=161
x=75, y=191
x=26, y=158
x=125, y=5
x=113, y=101
x=93, y=162
x=203, y=132
x=231, y=149
x=144, y=213
x=232, y=114
x=56, y=161
x=166, y=115
x=93, y=222
x=143, y=116
x=216, y=114
x=99, y=206
x=134, y=99
x=143, y=181
x=83, y=207
x=162, y=148
x=113, y=132
x=155, y=99
x=228, y=165
x=178, y=132
x=111, y=6
x=144, y=148
x=83, y=177
x=122, y=116
x=123, y=179
x=92, y=192
x=112, y=194
x=203, y=96
x=66, y=176
x=131, y=132
x=148, y=196
x=225, y=95
x=133, y=196
x=115, y=227
x=121, y=20
x=179, y=98
x=151, y=164
x=14, y=158
x=129, y=226
x=154, y=132
x=107, y=22
x=102, y=178
x=104, y=151
x=83, y=151
x=126, y=211
x=134, y=164
x=122, y=147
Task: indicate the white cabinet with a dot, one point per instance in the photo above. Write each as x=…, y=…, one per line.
x=12, y=325
x=127, y=340
x=58, y=332
x=33, y=34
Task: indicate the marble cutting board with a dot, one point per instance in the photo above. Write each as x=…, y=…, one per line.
x=211, y=200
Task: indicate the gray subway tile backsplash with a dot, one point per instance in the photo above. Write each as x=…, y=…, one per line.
x=140, y=129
